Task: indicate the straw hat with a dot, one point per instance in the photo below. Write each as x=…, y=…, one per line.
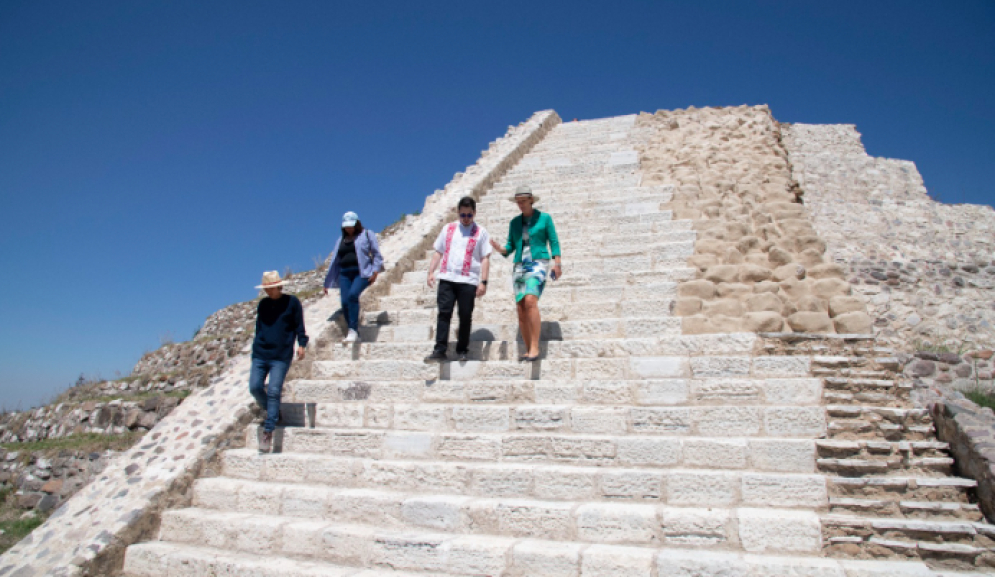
x=271, y=279
x=524, y=190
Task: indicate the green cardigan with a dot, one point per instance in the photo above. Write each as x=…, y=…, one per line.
x=541, y=232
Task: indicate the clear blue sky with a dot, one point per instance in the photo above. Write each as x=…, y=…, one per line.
x=156, y=157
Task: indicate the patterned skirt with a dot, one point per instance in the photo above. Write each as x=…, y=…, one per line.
x=529, y=278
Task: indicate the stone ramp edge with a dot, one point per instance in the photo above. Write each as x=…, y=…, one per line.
x=89, y=533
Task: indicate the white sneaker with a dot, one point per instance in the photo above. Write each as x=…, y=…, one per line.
x=352, y=337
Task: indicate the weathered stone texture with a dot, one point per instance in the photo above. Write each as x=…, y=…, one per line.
x=926, y=269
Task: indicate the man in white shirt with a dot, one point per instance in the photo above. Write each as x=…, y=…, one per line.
x=463, y=249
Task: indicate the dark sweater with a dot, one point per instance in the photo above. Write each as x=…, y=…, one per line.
x=278, y=321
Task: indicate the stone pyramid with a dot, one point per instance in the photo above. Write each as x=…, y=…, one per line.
x=695, y=412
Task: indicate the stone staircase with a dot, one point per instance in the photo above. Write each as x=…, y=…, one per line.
x=628, y=449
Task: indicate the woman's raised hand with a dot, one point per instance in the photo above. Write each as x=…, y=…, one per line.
x=498, y=247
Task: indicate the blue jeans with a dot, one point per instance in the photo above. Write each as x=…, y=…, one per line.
x=268, y=397
x=351, y=285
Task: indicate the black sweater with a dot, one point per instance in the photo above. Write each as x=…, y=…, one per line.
x=278, y=321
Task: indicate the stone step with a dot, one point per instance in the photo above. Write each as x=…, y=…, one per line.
x=760, y=530
x=631, y=367
x=670, y=462
x=534, y=446
x=483, y=348
x=472, y=555
x=949, y=544
x=879, y=457
x=879, y=423
x=629, y=517
x=953, y=489
x=582, y=392
x=931, y=510
x=749, y=420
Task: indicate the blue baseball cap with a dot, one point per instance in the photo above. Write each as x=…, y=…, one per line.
x=349, y=219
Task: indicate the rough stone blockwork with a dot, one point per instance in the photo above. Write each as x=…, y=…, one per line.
x=760, y=262
x=927, y=269
x=88, y=534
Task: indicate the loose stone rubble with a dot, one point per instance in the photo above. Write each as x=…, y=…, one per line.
x=654, y=437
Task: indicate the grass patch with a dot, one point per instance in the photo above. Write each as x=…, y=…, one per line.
x=981, y=398
x=13, y=526
x=87, y=442
x=133, y=397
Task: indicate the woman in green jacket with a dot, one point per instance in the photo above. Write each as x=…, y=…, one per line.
x=528, y=235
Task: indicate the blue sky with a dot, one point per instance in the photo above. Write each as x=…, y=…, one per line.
x=156, y=157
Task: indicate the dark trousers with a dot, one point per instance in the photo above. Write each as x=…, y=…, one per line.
x=451, y=294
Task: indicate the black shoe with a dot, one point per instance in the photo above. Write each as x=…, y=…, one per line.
x=436, y=357
x=463, y=357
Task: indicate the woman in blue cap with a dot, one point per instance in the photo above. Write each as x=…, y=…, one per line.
x=356, y=262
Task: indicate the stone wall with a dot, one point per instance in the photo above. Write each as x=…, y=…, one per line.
x=88, y=534
x=927, y=269
x=759, y=259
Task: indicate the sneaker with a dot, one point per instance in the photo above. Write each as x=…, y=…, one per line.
x=266, y=443
x=436, y=357
x=352, y=337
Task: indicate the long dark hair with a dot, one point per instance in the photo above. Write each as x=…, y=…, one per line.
x=356, y=230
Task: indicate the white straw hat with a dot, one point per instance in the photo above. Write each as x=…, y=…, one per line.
x=271, y=279
x=524, y=190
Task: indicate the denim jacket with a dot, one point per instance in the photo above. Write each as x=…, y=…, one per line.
x=367, y=252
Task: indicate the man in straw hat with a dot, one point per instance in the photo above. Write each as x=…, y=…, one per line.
x=279, y=320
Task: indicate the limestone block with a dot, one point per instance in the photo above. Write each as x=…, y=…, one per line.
x=502, y=481
x=481, y=419
x=720, y=366
x=565, y=483
x=616, y=523
x=812, y=242
x=478, y=555
x=793, y=289
x=469, y=447
x=722, y=273
x=779, y=530
x=827, y=270
x=661, y=420
x=715, y=453
x=766, y=286
x=854, y=568
x=420, y=418
x=844, y=304
x=810, y=258
x=811, y=322
x=649, y=452
x=732, y=256
x=727, y=421
x=726, y=307
x=695, y=527
x=546, y=559
x=305, y=501
x=702, y=289
x=770, y=566
x=779, y=257
x=769, y=490
x=765, y=301
x=766, y=322
x=788, y=271
x=658, y=367
x=753, y=273
x=793, y=391
x=539, y=417
x=599, y=420
x=613, y=561
x=795, y=421
x=775, y=366
x=830, y=287
x=542, y=519
x=810, y=303
x=747, y=244
x=366, y=506
x=734, y=290
x=759, y=259
x=443, y=512
x=631, y=484
x=697, y=325
x=405, y=444
x=410, y=551
x=683, y=563
x=703, y=261
x=853, y=323
x=259, y=498
x=584, y=450
x=687, y=306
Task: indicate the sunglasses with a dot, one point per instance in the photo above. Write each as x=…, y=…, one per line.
x=466, y=215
